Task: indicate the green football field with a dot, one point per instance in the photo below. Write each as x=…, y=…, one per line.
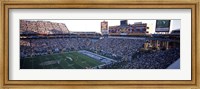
x=70, y=60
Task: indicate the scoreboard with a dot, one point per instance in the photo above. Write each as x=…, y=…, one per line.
x=104, y=27
x=162, y=25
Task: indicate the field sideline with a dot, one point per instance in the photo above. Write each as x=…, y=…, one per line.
x=69, y=60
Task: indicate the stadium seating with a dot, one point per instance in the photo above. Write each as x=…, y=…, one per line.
x=126, y=52
x=42, y=27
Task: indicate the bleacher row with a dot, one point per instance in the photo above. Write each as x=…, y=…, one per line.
x=42, y=27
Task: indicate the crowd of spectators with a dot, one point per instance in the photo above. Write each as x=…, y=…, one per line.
x=125, y=51
x=159, y=59
x=115, y=48
x=42, y=27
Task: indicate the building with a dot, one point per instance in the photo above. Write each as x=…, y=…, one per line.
x=137, y=28
x=123, y=23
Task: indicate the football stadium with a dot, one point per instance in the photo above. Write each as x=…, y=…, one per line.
x=51, y=45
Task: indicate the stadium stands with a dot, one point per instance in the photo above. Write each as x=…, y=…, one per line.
x=125, y=51
x=115, y=48
x=159, y=59
x=42, y=27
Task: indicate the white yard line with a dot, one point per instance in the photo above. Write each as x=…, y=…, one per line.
x=32, y=63
x=68, y=65
x=50, y=60
x=93, y=55
x=42, y=66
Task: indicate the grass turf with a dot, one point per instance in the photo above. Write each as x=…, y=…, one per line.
x=80, y=61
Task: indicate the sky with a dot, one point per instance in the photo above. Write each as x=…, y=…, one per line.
x=95, y=25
